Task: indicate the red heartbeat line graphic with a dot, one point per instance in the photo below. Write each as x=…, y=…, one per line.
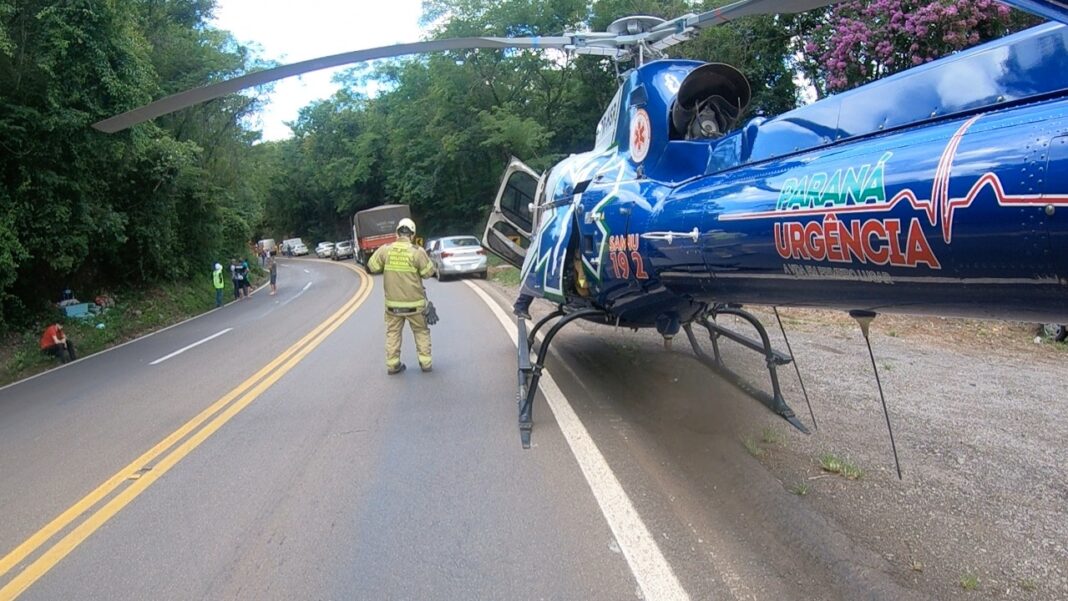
x=939, y=205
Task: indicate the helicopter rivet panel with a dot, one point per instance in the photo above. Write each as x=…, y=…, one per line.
x=1056, y=168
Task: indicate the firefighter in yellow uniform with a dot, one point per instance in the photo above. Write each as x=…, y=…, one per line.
x=405, y=266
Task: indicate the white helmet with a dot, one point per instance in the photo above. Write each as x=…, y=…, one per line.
x=406, y=224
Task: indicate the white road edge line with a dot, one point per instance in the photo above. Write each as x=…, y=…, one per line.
x=186, y=348
x=652, y=571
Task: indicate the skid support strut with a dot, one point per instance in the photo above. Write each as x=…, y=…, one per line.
x=773, y=358
x=530, y=375
x=541, y=322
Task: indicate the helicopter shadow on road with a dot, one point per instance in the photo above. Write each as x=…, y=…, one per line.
x=674, y=430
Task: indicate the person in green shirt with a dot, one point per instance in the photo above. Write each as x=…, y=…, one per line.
x=404, y=267
x=217, y=282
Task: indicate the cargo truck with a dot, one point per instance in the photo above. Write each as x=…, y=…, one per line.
x=376, y=227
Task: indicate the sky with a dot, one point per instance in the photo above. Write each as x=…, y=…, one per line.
x=291, y=31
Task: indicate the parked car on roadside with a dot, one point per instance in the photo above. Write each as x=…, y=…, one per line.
x=288, y=245
x=324, y=250
x=342, y=250
x=298, y=249
x=458, y=255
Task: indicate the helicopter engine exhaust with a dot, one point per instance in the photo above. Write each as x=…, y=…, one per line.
x=709, y=102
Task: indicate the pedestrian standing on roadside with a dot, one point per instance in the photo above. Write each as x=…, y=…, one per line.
x=234, y=280
x=274, y=275
x=217, y=283
x=246, y=273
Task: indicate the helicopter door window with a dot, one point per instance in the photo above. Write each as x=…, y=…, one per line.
x=517, y=198
x=639, y=97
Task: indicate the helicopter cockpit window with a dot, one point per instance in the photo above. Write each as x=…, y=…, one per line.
x=709, y=103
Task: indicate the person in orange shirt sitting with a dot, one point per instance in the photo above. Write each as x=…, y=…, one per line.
x=54, y=342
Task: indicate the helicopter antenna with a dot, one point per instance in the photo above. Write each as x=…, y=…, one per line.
x=797, y=370
x=864, y=318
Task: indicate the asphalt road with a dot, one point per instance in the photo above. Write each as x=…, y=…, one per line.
x=336, y=482
x=273, y=458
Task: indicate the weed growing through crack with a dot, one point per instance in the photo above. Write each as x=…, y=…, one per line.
x=754, y=449
x=800, y=489
x=969, y=581
x=770, y=436
x=1028, y=585
x=830, y=463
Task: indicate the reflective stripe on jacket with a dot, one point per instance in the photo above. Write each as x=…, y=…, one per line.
x=403, y=266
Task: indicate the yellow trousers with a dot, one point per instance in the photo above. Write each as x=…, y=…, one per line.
x=394, y=330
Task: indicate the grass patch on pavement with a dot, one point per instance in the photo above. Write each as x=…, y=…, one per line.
x=753, y=447
x=800, y=489
x=836, y=465
x=969, y=581
x=758, y=446
x=770, y=436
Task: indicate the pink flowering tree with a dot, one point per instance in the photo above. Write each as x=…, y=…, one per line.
x=857, y=42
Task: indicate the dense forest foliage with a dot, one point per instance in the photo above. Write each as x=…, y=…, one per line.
x=86, y=210
x=165, y=200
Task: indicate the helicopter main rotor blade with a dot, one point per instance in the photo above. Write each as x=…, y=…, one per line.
x=745, y=8
x=661, y=36
x=683, y=28
x=188, y=98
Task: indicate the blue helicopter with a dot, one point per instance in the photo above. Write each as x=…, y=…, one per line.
x=942, y=190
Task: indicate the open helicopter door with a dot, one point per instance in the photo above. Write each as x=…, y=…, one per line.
x=511, y=223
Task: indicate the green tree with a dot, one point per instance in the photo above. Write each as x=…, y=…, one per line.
x=86, y=210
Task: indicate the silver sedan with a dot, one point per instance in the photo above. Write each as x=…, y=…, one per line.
x=458, y=255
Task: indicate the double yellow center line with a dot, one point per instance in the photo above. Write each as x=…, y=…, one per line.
x=143, y=471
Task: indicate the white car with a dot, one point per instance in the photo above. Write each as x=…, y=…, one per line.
x=342, y=250
x=458, y=255
x=298, y=249
x=325, y=250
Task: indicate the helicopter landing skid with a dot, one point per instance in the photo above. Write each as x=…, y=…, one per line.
x=774, y=358
x=529, y=374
